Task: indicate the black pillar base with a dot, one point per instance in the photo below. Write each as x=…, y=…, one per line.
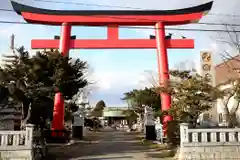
x=77, y=132
x=150, y=133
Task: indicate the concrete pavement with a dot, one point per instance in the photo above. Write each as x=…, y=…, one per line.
x=109, y=144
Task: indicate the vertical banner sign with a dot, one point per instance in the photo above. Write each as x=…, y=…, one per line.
x=208, y=70
x=207, y=67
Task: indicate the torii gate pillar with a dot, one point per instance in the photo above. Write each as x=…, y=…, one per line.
x=58, y=111
x=64, y=45
x=163, y=69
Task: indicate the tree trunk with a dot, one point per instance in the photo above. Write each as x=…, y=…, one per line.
x=229, y=116
x=25, y=120
x=140, y=122
x=130, y=124
x=225, y=116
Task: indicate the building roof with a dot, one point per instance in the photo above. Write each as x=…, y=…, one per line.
x=114, y=112
x=102, y=17
x=227, y=70
x=107, y=109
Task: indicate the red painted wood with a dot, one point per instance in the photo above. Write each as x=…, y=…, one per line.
x=64, y=45
x=117, y=44
x=100, y=20
x=163, y=70
x=58, y=112
x=112, y=32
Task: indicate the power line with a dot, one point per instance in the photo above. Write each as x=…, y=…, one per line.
x=7, y=10
x=174, y=29
x=202, y=23
x=190, y=29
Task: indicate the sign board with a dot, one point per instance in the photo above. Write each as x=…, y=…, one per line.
x=207, y=66
x=208, y=70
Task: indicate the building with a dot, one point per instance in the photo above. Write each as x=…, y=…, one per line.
x=10, y=118
x=226, y=73
x=115, y=115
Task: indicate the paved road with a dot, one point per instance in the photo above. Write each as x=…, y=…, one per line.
x=110, y=145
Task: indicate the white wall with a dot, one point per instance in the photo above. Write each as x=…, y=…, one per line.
x=205, y=144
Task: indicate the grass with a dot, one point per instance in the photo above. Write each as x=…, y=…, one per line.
x=159, y=150
x=156, y=150
x=152, y=145
x=162, y=154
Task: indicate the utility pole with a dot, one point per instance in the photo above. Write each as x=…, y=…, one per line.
x=12, y=42
x=11, y=56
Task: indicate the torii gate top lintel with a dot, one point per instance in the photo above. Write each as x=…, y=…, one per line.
x=108, y=17
x=112, y=19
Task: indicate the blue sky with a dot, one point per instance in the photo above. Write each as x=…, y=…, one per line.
x=118, y=71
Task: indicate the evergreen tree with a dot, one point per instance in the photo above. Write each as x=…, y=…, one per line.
x=34, y=80
x=98, y=110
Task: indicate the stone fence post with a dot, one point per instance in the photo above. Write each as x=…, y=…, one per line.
x=29, y=135
x=183, y=133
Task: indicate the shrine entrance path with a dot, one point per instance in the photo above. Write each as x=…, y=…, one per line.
x=109, y=145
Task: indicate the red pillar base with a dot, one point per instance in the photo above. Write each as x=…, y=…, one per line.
x=58, y=114
x=165, y=121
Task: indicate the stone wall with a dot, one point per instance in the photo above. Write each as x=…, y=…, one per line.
x=16, y=144
x=18, y=155
x=217, y=152
x=205, y=144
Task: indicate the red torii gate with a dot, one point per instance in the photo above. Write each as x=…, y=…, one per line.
x=113, y=19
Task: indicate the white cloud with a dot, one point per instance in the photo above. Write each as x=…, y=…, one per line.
x=122, y=81
x=7, y=31
x=115, y=80
x=105, y=74
x=150, y=4
x=23, y=35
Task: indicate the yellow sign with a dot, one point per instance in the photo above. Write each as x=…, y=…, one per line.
x=207, y=68
x=206, y=56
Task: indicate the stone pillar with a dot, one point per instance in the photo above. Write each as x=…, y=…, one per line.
x=150, y=133
x=78, y=124
x=159, y=130
x=183, y=133
x=29, y=135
